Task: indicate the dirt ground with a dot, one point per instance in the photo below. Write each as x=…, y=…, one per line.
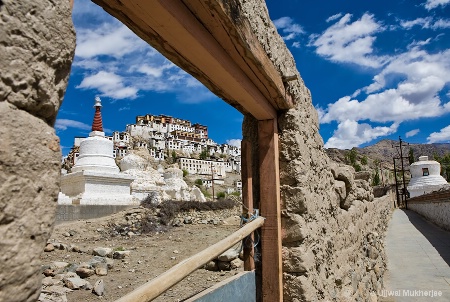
x=151, y=255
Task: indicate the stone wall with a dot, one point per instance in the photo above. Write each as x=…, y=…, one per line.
x=332, y=225
x=37, y=43
x=434, y=207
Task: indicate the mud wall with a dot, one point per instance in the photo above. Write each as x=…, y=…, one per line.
x=434, y=207
x=332, y=225
x=37, y=43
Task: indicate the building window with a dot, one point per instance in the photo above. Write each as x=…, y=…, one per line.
x=425, y=172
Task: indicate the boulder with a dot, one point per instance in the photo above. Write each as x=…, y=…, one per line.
x=228, y=255
x=99, y=288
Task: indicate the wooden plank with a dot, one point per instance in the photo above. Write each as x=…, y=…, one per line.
x=163, y=282
x=234, y=33
x=272, y=277
x=183, y=39
x=247, y=199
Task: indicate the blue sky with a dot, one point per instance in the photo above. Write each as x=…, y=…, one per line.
x=376, y=70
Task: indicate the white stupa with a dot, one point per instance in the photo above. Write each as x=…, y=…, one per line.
x=95, y=178
x=425, y=177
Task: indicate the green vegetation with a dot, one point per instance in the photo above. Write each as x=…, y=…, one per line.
x=198, y=182
x=174, y=156
x=203, y=155
x=445, y=165
x=411, y=156
x=185, y=172
x=119, y=248
x=236, y=193
x=351, y=157
x=376, y=178
x=364, y=160
x=221, y=195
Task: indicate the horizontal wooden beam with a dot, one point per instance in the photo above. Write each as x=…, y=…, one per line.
x=231, y=63
x=160, y=284
x=225, y=21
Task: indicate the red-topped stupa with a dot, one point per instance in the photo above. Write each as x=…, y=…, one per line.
x=97, y=124
x=95, y=178
x=96, y=151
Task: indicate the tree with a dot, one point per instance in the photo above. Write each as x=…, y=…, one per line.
x=203, y=155
x=174, y=156
x=199, y=182
x=220, y=195
x=364, y=160
x=351, y=156
x=411, y=156
x=376, y=178
x=357, y=167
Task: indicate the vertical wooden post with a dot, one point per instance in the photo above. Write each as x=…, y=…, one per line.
x=247, y=198
x=272, y=275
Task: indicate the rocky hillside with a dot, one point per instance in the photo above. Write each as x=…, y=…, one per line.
x=384, y=151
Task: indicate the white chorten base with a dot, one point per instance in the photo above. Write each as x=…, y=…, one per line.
x=415, y=191
x=94, y=188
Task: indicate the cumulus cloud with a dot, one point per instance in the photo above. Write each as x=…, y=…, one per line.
x=350, y=42
x=432, y=4
x=110, y=85
x=107, y=40
x=289, y=29
x=412, y=133
x=351, y=134
x=442, y=136
x=115, y=63
x=63, y=124
x=234, y=142
x=422, y=77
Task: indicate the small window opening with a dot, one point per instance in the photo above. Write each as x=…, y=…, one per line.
x=425, y=172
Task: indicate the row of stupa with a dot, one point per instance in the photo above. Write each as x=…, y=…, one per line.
x=95, y=178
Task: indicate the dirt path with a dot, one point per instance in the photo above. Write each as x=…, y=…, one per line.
x=151, y=255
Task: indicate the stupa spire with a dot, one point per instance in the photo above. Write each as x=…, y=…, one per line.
x=97, y=124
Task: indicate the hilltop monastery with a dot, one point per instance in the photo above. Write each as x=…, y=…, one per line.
x=161, y=135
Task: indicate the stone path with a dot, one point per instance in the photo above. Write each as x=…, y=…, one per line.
x=418, y=254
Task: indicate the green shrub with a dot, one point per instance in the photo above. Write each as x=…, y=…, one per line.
x=199, y=182
x=185, y=172
x=221, y=195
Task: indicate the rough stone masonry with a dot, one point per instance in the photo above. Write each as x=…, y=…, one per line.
x=332, y=227
x=37, y=43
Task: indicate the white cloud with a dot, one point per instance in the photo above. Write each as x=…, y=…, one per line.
x=107, y=40
x=426, y=23
x=116, y=63
x=412, y=133
x=63, y=124
x=334, y=17
x=234, y=142
x=109, y=84
x=431, y=4
x=422, y=22
x=352, y=134
x=289, y=29
x=441, y=24
x=442, y=136
x=421, y=79
x=347, y=42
